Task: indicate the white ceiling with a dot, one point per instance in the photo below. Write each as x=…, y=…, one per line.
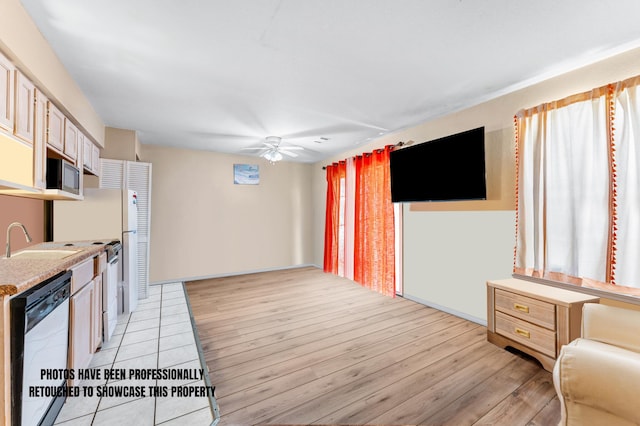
x=222, y=75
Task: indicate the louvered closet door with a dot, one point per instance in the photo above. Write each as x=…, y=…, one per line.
x=119, y=174
x=139, y=179
x=112, y=176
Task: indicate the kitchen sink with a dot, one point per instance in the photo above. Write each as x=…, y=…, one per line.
x=44, y=254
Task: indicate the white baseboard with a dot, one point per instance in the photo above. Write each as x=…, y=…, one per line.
x=233, y=274
x=447, y=310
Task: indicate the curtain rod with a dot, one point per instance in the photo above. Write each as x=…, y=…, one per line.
x=398, y=145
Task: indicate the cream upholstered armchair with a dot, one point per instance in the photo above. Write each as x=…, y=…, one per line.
x=597, y=377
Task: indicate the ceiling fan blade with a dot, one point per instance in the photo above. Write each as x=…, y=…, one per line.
x=292, y=147
x=290, y=154
x=251, y=148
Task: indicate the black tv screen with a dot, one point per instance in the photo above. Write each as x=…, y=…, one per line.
x=445, y=169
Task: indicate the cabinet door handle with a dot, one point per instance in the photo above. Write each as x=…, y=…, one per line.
x=521, y=308
x=523, y=333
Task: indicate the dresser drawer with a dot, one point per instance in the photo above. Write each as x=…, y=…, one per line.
x=528, y=334
x=526, y=308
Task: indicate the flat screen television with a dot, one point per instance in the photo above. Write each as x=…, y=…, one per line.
x=446, y=169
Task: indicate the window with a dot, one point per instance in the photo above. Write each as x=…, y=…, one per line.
x=578, y=204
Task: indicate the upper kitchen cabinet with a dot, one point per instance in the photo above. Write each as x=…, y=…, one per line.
x=86, y=151
x=24, y=102
x=34, y=129
x=90, y=155
x=70, y=140
x=6, y=94
x=95, y=160
x=55, y=128
x=16, y=157
x=40, y=141
x=79, y=150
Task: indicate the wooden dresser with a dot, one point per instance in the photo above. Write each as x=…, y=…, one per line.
x=534, y=318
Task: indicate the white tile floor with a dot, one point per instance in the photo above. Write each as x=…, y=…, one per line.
x=157, y=335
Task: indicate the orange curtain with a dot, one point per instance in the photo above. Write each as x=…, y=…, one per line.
x=374, y=245
x=335, y=172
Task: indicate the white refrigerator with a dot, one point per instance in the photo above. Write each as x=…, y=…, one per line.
x=105, y=215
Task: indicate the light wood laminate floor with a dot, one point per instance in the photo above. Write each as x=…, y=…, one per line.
x=303, y=347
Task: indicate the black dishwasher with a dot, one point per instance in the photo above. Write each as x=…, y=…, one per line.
x=39, y=345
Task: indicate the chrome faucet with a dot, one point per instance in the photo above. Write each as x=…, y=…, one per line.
x=26, y=234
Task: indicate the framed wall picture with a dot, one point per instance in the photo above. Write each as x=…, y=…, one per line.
x=246, y=174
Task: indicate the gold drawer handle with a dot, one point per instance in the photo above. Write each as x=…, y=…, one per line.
x=521, y=308
x=523, y=333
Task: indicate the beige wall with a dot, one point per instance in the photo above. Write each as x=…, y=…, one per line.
x=120, y=144
x=22, y=42
x=204, y=225
x=449, y=255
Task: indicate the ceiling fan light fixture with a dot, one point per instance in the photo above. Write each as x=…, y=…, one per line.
x=273, y=155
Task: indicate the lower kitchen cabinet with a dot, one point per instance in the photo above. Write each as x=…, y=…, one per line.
x=96, y=314
x=85, y=321
x=81, y=343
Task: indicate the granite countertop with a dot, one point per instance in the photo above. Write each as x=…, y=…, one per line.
x=18, y=274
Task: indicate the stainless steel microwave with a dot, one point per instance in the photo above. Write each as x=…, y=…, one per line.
x=63, y=175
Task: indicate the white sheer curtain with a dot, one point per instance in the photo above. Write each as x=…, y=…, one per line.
x=532, y=140
x=626, y=123
x=563, y=190
x=579, y=189
x=350, y=218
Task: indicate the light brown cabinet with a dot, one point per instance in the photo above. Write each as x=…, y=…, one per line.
x=55, y=128
x=100, y=265
x=16, y=147
x=70, y=140
x=23, y=110
x=40, y=141
x=85, y=326
x=82, y=273
x=95, y=160
x=6, y=94
x=87, y=152
x=32, y=129
x=91, y=155
x=534, y=318
x=96, y=314
x=80, y=345
x=79, y=150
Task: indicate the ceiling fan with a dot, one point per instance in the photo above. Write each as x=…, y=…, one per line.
x=272, y=150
